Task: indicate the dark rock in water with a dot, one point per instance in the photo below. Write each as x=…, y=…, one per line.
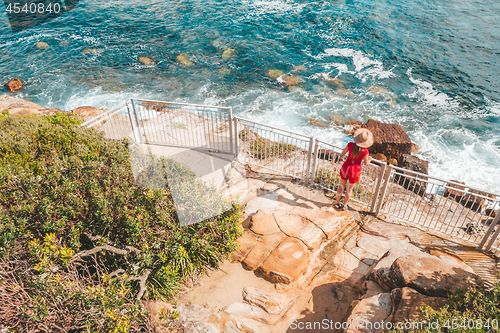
x=475, y=200
x=392, y=161
x=13, y=85
x=454, y=191
x=410, y=182
x=336, y=119
x=352, y=126
x=414, y=163
x=389, y=139
x=380, y=157
x=316, y=122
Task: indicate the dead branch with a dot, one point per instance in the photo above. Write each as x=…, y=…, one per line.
x=126, y=250
x=142, y=283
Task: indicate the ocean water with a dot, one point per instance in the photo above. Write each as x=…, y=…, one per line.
x=430, y=66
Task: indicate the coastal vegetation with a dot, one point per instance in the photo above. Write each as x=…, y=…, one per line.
x=81, y=243
x=331, y=179
x=472, y=310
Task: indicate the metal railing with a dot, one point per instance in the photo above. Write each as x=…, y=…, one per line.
x=115, y=124
x=327, y=161
x=272, y=148
x=183, y=125
x=446, y=206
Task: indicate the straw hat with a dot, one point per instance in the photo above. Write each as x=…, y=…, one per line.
x=363, y=137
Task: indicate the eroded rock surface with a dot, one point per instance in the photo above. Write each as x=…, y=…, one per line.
x=429, y=275
x=406, y=302
x=22, y=107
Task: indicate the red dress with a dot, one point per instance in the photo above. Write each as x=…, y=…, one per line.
x=351, y=169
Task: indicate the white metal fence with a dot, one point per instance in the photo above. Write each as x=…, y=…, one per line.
x=183, y=125
x=446, y=206
x=449, y=207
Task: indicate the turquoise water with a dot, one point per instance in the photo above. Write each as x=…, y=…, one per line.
x=430, y=66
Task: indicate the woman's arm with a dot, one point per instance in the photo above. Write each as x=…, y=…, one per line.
x=367, y=159
x=346, y=149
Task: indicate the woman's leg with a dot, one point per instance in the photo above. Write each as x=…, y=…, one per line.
x=340, y=190
x=348, y=193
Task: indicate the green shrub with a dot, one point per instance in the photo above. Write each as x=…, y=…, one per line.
x=264, y=148
x=472, y=310
x=59, y=178
x=331, y=179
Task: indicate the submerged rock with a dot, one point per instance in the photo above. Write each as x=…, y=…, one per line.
x=295, y=89
x=228, y=53
x=216, y=43
x=332, y=81
x=224, y=71
x=274, y=73
x=316, y=122
x=338, y=120
x=183, y=58
x=378, y=90
x=299, y=68
x=288, y=80
x=42, y=45
x=352, y=126
x=146, y=61
x=91, y=51
x=13, y=85
x=344, y=92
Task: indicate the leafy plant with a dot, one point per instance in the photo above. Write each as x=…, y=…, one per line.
x=66, y=190
x=472, y=310
x=331, y=179
x=264, y=148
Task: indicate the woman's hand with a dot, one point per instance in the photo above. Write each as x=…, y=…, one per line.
x=367, y=159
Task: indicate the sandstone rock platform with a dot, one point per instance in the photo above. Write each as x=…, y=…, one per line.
x=301, y=262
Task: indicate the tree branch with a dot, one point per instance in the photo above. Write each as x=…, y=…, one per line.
x=142, y=283
x=126, y=250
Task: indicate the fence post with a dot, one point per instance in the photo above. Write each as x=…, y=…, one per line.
x=134, y=131
x=387, y=178
x=138, y=123
x=231, y=141
x=488, y=233
x=309, y=155
x=236, y=143
x=314, y=160
x=377, y=189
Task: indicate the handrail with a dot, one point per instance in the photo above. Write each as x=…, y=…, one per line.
x=445, y=181
x=177, y=103
x=279, y=129
x=113, y=109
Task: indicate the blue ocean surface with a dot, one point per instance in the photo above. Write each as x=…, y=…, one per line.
x=430, y=66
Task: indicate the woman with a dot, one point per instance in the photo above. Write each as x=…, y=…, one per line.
x=351, y=169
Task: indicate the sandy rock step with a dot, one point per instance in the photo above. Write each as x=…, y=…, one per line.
x=281, y=243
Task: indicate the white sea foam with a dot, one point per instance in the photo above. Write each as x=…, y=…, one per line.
x=266, y=7
x=430, y=95
x=364, y=66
